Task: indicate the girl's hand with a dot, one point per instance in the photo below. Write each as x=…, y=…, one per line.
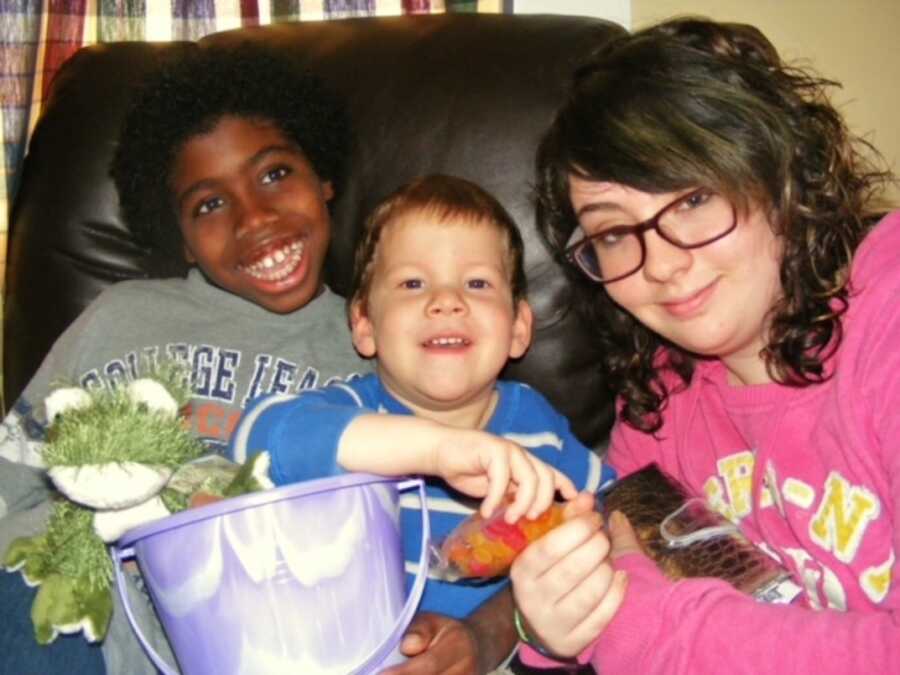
x=482, y=464
x=564, y=584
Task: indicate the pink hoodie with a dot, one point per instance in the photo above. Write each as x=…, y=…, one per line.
x=812, y=475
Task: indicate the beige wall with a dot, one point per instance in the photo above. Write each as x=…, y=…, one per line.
x=852, y=41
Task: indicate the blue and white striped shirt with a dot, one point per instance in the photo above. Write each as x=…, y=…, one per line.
x=301, y=433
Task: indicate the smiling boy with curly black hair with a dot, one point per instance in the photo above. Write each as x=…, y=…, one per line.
x=228, y=159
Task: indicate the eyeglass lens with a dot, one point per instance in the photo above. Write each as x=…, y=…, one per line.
x=689, y=222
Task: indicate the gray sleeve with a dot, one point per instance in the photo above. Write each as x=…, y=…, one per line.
x=24, y=488
x=23, y=429
x=25, y=521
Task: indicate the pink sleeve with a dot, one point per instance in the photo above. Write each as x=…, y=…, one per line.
x=705, y=626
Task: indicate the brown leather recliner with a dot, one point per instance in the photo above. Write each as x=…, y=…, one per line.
x=461, y=94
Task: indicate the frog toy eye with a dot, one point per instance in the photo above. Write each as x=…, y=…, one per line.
x=66, y=399
x=152, y=396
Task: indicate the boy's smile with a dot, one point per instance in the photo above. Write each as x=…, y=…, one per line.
x=440, y=315
x=253, y=213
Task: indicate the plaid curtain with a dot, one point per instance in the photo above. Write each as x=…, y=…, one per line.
x=36, y=36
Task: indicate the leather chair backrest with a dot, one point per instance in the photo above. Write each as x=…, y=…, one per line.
x=461, y=94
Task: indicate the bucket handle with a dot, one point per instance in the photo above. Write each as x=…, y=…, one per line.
x=374, y=659
x=381, y=652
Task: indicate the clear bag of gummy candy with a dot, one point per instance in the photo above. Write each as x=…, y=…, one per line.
x=483, y=548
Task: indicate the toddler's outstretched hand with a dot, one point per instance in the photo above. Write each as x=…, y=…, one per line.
x=482, y=464
x=474, y=462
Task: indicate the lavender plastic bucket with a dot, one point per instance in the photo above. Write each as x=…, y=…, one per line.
x=306, y=578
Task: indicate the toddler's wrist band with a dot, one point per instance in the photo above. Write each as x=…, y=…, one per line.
x=536, y=646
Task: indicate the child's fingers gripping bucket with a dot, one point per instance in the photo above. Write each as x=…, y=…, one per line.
x=307, y=578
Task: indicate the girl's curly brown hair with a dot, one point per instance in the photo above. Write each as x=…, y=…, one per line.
x=694, y=103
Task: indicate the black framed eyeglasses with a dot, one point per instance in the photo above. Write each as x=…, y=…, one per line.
x=695, y=219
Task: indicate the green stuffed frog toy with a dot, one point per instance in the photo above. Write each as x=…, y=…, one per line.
x=118, y=459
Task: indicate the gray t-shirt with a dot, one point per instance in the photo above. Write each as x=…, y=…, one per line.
x=236, y=350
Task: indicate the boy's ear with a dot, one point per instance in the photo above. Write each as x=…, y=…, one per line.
x=361, y=329
x=188, y=256
x=521, y=330
x=327, y=190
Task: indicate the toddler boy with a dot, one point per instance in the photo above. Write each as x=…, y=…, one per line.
x=439, y=302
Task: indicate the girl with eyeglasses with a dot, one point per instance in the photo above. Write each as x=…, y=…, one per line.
x=723, y=234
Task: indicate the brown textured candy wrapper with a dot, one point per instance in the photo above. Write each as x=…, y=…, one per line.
x=686, y=538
